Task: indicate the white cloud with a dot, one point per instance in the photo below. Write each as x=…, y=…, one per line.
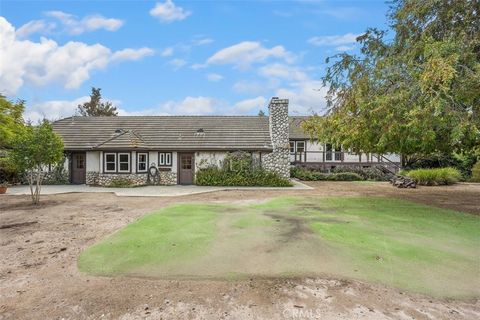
x=282, y=71
x=214, y=77
x=131, y=54
x=44, y=62
x=305, y=97
x=334, y=40
x=167, y=52
x=190, y=106
x=177, y=63
x=53, y=110
x=168, y=12
x=35, y=26
x=246, y=53
x=245, y=106
x=75, y=26
x=344, y=48
x=201, y=41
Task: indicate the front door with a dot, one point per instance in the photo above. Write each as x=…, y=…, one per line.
x=186, y=167
x=78, y=168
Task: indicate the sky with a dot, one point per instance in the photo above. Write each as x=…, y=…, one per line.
x=175, y=57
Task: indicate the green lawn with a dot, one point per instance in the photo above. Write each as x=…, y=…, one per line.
x=399, y=243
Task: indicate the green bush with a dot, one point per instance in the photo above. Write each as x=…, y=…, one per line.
x=215, y=176
x=435, y=176
x=121, y=183
x=476, y=172
x=311, y=175
x=345, y=176
x=370, y=173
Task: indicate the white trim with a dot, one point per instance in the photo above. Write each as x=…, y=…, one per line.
x=118, y=162
x=114, y=162
x=146, y=161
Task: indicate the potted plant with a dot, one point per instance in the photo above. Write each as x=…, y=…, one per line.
x=3, y=187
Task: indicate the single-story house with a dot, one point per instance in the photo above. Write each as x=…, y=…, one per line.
x=102, y=149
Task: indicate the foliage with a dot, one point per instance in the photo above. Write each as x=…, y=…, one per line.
x=416, y=94
x=435, y=176
x=34, y=149
x=261, y=113
x=476, y=172
x=58, y=175
x=11, y=125
x=462, y=161
x=95, y=107
x=312, y=175
x=370, y=173
x=120, y=183
x=345, y=176
x=239, y=169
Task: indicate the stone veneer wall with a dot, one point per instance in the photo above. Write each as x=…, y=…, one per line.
x=137, y=179
x=279, y=159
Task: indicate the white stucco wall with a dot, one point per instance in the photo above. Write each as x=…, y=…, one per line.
x=93, y=161
x=208, y=158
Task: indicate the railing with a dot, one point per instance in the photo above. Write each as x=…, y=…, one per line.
x=338, y=157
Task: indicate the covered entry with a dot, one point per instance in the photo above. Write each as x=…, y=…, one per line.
x=186, y=167
x=78, y=168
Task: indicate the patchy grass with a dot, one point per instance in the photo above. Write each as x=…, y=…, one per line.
x=399, y=243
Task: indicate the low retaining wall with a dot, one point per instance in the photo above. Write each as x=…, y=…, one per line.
x=136, y=179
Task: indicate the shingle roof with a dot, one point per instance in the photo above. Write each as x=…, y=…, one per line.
x=165, y=132
x=296, y=131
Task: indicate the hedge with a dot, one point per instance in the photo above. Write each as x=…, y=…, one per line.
x=435, y=176
x=215, y=176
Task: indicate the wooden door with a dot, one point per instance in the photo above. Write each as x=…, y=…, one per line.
x=79, y=168
x=186, y=167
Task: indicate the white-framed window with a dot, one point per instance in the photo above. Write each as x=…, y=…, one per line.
x=300, y=146
x=164, y=158
x=123, y=162
x=142, y=161
x=110, y=162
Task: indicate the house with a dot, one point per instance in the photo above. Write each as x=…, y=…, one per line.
x=305, y=152
x=102, y=149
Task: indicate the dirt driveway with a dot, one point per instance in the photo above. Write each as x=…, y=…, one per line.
x=39, y=277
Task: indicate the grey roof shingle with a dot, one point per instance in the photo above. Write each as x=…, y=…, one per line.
x=296, y=131
x=165, y=132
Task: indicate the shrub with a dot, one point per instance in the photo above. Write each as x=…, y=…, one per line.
x=345, y=176
x=435, y=176
x=311, y=175
x=476, y=172
x=370, y=173
x=120, y=183
x=214, y=176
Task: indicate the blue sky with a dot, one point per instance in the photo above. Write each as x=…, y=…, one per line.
x=175, y=57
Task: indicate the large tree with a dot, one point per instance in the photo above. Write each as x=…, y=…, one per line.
x=414, y=90
x=36, y=148
x=96, y=107
x=11, y=120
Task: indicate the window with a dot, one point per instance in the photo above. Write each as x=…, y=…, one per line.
x=80, y=160
x=187, y=163
x=142, y=160
x=292, y=146
x=124, y=162
x=110, y=162
x=164, y=158
x=300, y=146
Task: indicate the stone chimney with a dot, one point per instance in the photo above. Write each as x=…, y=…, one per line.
x=279, y=159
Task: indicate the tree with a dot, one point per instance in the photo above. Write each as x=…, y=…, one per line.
x=11, y=120
x=261, y=113
x=11, y=125
x=416, y=94
x=95, y=107
x=36, y=148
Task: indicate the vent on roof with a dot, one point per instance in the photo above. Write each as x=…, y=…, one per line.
x=118, y=130
x=200, y=133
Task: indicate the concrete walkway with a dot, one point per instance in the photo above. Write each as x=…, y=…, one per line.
x=147, y=191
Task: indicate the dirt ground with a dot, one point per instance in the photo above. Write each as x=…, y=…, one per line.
x=39, y=278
